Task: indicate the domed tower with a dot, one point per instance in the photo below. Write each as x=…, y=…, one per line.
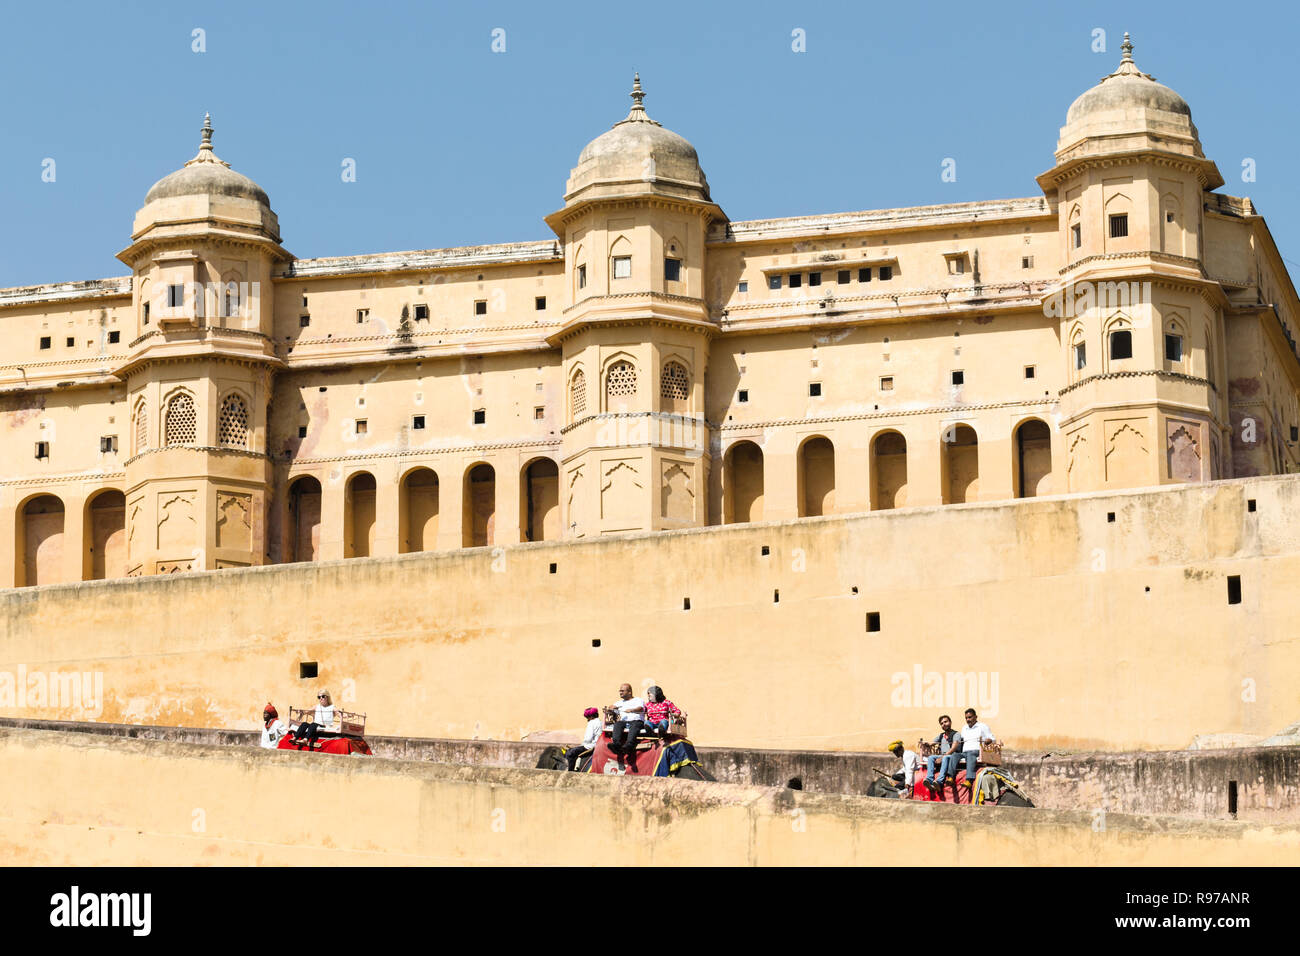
x=199, y=369
x=636, y=333
x=1140, y=321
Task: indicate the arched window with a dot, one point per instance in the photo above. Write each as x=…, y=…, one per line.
x=620, y=380
x=141, y=429
x=674, y=387
x=181, y=420
x=578, y=394
x=232, y=425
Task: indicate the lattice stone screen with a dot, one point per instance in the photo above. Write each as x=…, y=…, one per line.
x=181, y=421
x=578, y=394
x=673, y=384
x=232, y=426
x=141, y=427
x=620, y=381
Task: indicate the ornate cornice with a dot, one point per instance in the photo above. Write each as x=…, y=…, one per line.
x=63, y=479
x=1142, y=373
x=226, y=449
x=415, y=454
x=593, y=300
x=1137, y=254
x=201, y=332
x=670, y=417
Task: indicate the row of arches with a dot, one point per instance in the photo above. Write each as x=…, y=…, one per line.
x=620, y=385
x=45, y=555
x=180, y=421
x=419, y=510
x=743, y=471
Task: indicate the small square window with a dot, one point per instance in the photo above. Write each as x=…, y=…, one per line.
x=742, y=396
x=363, y=315
x=42, y=449
x=959, y=377
x=145, y=314
x=45, y=341
x=1026, y=262
x=743, y=286
x=796, y=280
x=814, y=389
x=305, y=320
x=307, y=670
x=1076, y=234
x=774, y=282
x=582, y=277
x=1169, y=217
x=175, y=296
x=1119, y=226
x=622, y=267
x=480, y=416
x=302, y=431
x=304, y=302
x=1121, y=344
x=70, y=342
x=539, y=413
x=362, y=426
x=417, y=422
x=672, y=270
x=539, y=303
x=108, y=444
x=1080, y=355
x=873, y=621
x=1029, y=371
x=814, y=278
x=1295, y=433
x=864, y=275
x=886, y=273
x=1174, y=348
x=844, y=276
x=887, y=383
x=480, y=307
x=421, y=313
x=114, y=338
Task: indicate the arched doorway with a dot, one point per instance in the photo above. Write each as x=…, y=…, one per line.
x=743, y=473
x=419, y=504
x=359, y=516
x=816, y=477
x=304, y=519
x=40, y=544
x=105, y=534
x=539, y=505
x=478, y=521
x=889, y=466
x=1033, y=459
x=961, y=464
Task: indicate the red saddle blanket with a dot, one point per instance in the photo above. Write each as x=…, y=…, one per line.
x=952, y=793
x=641, y=764
x=329, y=745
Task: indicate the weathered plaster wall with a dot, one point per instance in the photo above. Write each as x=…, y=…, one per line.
x=1095, y=634
x=160, y=803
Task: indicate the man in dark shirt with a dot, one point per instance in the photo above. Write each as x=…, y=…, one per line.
x=943, y=755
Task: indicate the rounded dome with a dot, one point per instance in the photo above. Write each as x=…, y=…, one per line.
x=208, y=175
x=638, y=149
x=1125, y=89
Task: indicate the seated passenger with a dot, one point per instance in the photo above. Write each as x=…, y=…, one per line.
x=974, y=736
x=324, y=724
x=942, y=753
x=630, y=718
x=594, y=728
x=657, y=711
x=273, y=727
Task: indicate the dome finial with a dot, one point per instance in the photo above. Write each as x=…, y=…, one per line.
x=205, y=153
x=207, y=132
x=637, y=93
x=1127, y=47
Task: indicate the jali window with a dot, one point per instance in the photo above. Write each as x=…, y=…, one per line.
x=232, y=426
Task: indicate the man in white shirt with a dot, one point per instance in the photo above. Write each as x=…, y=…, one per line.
x=911, y=764
x=595, y=727
x=272, y=727
x=631, y=718
x=975, y=733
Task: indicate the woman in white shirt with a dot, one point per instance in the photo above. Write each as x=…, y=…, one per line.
x=324, y=722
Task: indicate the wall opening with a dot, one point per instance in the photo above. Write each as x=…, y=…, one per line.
x=1234, y=589
x=105, y=536
x=306, y=670
x=480, y=507
x=304, y=519
x=743, y=491
x=961, y=465
x=816, y=478
x=889, y=466
x=40, y=541
x=873, y=621
x=539, y=491
x=418, y=504
x=359, y=516
x=1033, y=449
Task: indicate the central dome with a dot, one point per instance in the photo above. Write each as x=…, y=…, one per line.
x=1127, y=88
x=207, y=175
x=636, y=154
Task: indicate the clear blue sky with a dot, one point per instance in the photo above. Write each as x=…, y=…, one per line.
x=457, y=145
